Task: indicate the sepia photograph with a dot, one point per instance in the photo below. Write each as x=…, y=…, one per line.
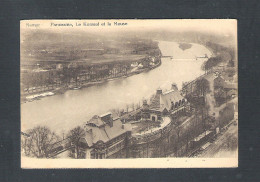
x=140, y=93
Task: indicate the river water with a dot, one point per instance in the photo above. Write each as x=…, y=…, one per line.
x=63, y=112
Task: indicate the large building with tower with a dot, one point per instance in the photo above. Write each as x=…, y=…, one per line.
x=106, y=137
x=165, y=103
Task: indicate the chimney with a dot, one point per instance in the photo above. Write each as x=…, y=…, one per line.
x=159, y=91
x=174, y=86
x=111, y=123
x=172, y=105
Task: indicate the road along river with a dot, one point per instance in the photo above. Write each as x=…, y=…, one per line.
x=63, y=112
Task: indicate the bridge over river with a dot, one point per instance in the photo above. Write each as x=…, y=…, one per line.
x=63, y=112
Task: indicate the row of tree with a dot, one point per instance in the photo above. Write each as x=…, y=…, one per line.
x=67, y=74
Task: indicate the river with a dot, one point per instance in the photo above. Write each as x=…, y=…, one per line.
x=63, y=112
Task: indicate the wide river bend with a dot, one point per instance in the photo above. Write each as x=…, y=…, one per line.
x=63, y=112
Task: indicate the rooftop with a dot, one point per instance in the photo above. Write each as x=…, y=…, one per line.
x=108, y=113
x=106, y=132
x=96, y=120
x=164, y=100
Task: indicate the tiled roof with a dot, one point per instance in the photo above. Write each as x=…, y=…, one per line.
x=105, y=133
x=115, y=130
x=172, y=96
x=162, y=101
x=96, y=120
x=108, y=113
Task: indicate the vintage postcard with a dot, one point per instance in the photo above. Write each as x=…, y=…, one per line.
x=129, y=93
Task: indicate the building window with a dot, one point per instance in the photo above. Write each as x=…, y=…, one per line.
x=82, y=155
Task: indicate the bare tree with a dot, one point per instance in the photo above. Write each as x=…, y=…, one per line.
x=39, y=142
x=133, y=106
x=75, y=135
x=127, y=107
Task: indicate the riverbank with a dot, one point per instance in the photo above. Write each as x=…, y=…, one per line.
x=77, y=106
x=63, y=88
x=199, y=142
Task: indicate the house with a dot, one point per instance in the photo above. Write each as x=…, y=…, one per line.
x=219, y=82
x=167, y=103
x=135, y=64
x=59, y=67
x=153, y=60
x=106, y=136
x=227, y=86
x=228, y=77
x=140, y=65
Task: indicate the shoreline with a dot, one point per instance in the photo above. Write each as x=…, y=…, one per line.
x=88, y=84
x=144, y=138
x=62, y=89
x=154, y=134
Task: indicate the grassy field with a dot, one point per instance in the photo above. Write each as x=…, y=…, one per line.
x=53, y=48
